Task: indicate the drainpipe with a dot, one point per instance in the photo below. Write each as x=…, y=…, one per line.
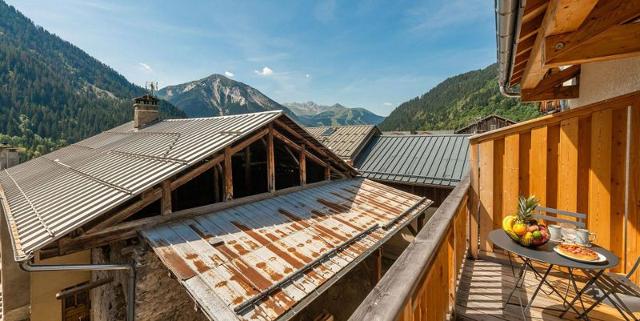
x=507, y=15
x=28, y=267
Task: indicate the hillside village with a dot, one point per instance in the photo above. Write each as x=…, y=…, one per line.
x=208, y=200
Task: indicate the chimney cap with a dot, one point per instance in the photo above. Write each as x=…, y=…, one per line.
x=146, y=99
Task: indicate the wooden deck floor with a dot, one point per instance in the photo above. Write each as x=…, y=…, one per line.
x=485, y=285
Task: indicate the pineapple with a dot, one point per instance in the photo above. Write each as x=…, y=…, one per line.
x=526, y=206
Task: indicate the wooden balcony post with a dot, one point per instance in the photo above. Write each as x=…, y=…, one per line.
x=166, y=198
x=228, y=175
x=303, y=166
x=271, y=166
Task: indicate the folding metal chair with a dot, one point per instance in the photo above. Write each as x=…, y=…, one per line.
x=541, y=213
x=620, y=292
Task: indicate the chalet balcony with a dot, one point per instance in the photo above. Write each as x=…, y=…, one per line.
x=584, y=160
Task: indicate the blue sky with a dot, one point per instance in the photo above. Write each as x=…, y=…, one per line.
x=372, y=54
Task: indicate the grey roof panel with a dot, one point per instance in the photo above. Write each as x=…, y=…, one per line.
x=345, y=141
x=47, y=197
x=437, y=160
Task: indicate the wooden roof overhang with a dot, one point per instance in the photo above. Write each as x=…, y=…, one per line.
x=552, y=38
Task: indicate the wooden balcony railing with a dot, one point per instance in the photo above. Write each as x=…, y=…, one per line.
x=421, y=284
x=583, y=160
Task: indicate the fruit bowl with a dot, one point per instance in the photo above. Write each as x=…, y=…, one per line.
x=529, y=233
x=522, y=227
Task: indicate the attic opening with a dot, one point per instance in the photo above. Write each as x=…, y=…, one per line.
x=250, y=170
x=287, y=165
x=315, y=172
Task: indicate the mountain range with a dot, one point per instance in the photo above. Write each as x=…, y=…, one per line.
x=52, y=93
x=457, y=102
x=312, y=114
x=217, y=95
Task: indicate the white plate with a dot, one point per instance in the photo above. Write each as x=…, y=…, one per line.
x=601, y=258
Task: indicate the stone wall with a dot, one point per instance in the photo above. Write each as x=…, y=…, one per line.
x=158, y=295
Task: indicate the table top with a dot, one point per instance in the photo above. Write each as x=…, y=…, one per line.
x=545, y=253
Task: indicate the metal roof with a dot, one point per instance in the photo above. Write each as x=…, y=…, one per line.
x=345, y=141
x=47, y=197
x=435, y=160
x=264, y=260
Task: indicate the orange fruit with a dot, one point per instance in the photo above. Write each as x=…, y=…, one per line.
x=520, y=228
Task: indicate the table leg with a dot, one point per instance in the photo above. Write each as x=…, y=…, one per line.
x=542, y=281
x=579, y=293
x=554, y=290
x=518, y=284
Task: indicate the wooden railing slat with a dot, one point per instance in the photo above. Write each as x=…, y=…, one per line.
x=568, y=165
x=599, y=214
x=538, y=164
x=511, y=174
x=618, y=183
x=486, y=192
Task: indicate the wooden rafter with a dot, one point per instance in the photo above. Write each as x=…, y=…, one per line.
x=197, y=171
x=618, y=41
x=551, y=87
x=302, y=161
x=166, y=198
x=228, y=175
x=145, y=199
x=271, y=161
x=560, y=16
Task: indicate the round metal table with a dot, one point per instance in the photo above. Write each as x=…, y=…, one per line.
x=545, y=254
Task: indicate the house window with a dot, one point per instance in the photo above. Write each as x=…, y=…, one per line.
x=76, y=306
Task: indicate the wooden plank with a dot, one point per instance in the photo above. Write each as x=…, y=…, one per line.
x=572, y=14
x=618, y=42
x=633, y=214
x=486, y=160
x=538, y=164
x=145, y=199
x=599, y=215
x=535, y=70
x=523, y=168
x=271, y=162
x=601, y=36
x=165, y=205
x=228, y=175
x=511, y=173
x=552, y=80
x=303, y=166
x=498, y=182
x=568, y=165
x=533, y=9
x=197, y=171
x=474, y=196
x=553, y=93
x=247, y=166
x=618, y=184
x=553, y=157
x=216, y=184
x=584, y=164
x=530, y=28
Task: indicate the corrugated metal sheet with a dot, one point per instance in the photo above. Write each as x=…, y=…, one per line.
x=257, y=261
x=345, y=141
x=436, y=160
x=50, y=196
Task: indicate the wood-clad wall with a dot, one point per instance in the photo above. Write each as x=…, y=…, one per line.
x=443, y=274
x=583, y=160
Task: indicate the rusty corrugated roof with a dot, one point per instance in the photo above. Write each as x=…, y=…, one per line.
x=259, y=261
x=345, y=141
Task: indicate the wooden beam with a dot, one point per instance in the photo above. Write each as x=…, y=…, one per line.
x=246, y=142
x=327, y=173
x=145, y=199
x=166, y=198
x=571, y=14
x=550, y=88
x=197, y=171
x=303, y=166
x=216, y=184
x=303, y=140
x=533, y=9
x=247, y=166
x=619, y=41
x=555, y=93
x=530, y=28
x=271, y=161
x=377, y=271
x=228, y=175
x=128, y=230
x=297, y=147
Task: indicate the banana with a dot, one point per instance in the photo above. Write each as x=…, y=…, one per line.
x=507, y=222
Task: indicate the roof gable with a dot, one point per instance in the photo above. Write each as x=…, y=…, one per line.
x=47, y=197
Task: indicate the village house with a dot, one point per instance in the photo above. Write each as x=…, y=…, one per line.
x=224, y=218
x=485, y=124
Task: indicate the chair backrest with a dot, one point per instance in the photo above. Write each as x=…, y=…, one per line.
x=579, y=222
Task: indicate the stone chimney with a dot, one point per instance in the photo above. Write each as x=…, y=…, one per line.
x=145, y=111
x=9, y=156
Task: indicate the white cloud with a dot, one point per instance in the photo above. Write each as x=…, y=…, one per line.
x=266, y=71
x=229, y=74
x=388, y=104
x=145, y=67
x=307, y=76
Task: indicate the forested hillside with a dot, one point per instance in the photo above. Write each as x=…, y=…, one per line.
x=52, y=93
x=456, y=102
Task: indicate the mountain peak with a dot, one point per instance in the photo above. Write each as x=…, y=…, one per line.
x=313, y=114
